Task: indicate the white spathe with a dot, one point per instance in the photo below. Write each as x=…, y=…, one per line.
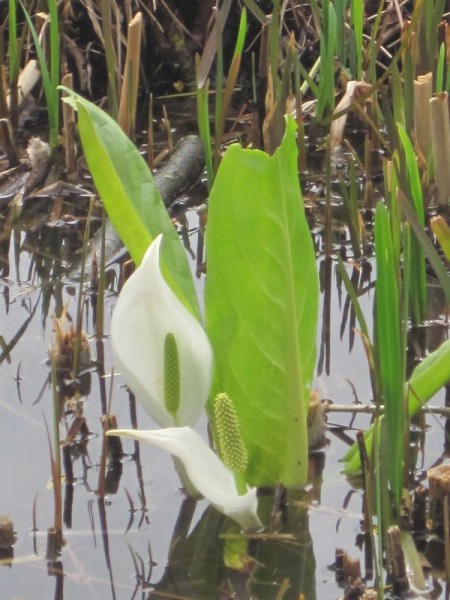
x=205, y=471
x=146, y=311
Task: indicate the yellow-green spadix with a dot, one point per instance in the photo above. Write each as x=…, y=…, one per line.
x=205, y=470
x=148, y=315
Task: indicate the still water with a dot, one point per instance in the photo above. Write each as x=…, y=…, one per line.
x=145, y=540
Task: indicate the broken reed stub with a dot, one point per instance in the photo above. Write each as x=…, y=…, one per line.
x=316, y=421
x=398, y=565
x=348, y=570
x=423, y=92
x=113, y=442
x=7, y=535
x=440, y=141
x=439, y=485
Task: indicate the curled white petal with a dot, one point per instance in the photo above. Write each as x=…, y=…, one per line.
x=205, y=470
x=146, y=311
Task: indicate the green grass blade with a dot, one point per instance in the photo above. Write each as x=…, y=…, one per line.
x=223, y=100
x=54, y=42
x=440, y=70
x=204, y=129
x=357, y=10
x=398, y=98
x=256, y=11
x=12, y=38
x=242, y=32
x=274, y=46
x=219, y=84
x=50, y=85
x=54, y=69
x=261, y=302
x=110, y=56
x=308, y=77
x=390, y=351
x=325, y=100
x=409, y=179
x=340, y=6
x=435, y=261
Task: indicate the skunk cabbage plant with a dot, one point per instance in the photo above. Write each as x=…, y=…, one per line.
x=160, y=348
x=166, y=360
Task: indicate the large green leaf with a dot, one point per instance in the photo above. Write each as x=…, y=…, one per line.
x=128, y=191
x=261, y=306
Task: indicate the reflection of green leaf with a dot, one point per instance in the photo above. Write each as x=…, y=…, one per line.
x=235, y=553
x=261, y=306
x=128, y=191
x=7, y=347
x=285, y=562
x=195, y=562
x=195, y=565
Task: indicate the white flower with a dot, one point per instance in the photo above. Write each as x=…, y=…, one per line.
x=166, y=360
x=147, y=314
x=205, y=471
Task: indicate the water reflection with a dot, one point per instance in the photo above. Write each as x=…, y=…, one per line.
x=361, y=280
x=215, y=560
x=286, y=563
x=206, y=557
x=55, y=569
x=7, y=346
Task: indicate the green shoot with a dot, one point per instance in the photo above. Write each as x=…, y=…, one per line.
x=390, y=353
x=50, y=78
x=14, y=62
x=431, y=13
x=204, y=128
x=440, y=70
x=223, y=99
x=325, y=99
x=110, y=55
x=340, y=6
x=409, y=179
x=274, y=48
x=357, y=14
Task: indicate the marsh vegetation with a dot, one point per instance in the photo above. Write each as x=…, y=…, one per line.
x=294, y=156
